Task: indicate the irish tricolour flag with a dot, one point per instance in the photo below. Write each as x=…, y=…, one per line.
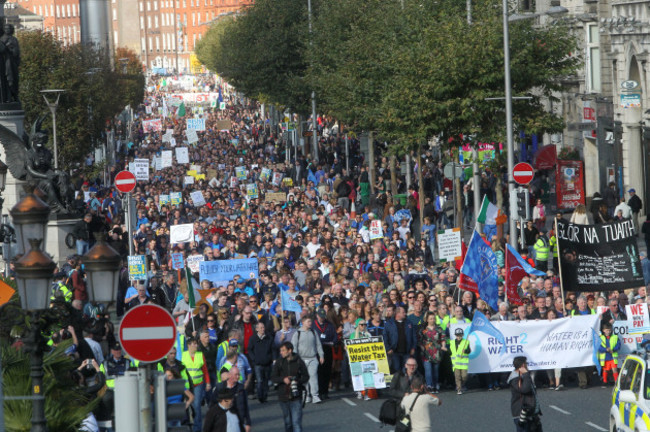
x=488, y=213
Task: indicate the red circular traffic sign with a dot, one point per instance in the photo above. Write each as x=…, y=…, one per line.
x=147, y=333
x=125, y=181
x=523, y=173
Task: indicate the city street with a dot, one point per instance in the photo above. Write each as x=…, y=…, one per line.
x=568, y=410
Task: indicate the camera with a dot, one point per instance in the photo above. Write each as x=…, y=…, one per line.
x=526, y=415
x=295, y=388
x=65, y=334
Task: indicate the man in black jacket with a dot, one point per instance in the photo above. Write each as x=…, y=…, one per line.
x=260, y=352
x=221, y=418
x=523, y=404
x=291, y=375
x=636, y=205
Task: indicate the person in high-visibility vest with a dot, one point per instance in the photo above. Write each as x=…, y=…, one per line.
x=114, y=365
x=582, y=308
x=59, y=289
x=542, y=249
x=553, y=244
x=608, y=352
x=460, y=350
x=198, y=371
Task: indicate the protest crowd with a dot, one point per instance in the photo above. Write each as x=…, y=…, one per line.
x=323, y=261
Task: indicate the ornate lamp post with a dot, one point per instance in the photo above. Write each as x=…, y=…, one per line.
x=102, y=264
x=30, y=216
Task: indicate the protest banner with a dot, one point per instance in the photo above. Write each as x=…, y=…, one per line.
x=376, y=231
x=172, y=142
x=188, y=180
x=197, y=198
x=137, y=267
x=152, y=125
x=166, y=158
x=211, y=173
x=196, y=168
x=193, y=262
x=599, y=257
x=198, y=124
x=168, y=136
x=449, y=245
x=163, y=199
x=265, y=175
x=157, y=163
x=275, y=197
x=251, y=191
x=176, y=198
x=560, y=343
x=182, y=156
x=629, y=343
x=183, y=233
x=222, y=106
x=277, y=178
x=224, y=125
x=368, y=362
x=192, y=136
x=240, y=172
x=233, y=182
x=177, y=261
x=638, y=321
x=140, y=169
x=289, y=303
x=223, y=271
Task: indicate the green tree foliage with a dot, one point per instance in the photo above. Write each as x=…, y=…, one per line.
x=95, y=92
x=66, y=405
x=261, y=52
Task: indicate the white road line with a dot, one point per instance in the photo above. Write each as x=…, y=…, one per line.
x=348, y=401
x=595, y=426
x=372, y=417
x=560, y=410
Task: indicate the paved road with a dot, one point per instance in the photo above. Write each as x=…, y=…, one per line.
x=568, y=410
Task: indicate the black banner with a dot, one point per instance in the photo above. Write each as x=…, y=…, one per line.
x=599, y=257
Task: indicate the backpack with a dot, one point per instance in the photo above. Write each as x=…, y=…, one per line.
x=404, y=421
x=389, y=411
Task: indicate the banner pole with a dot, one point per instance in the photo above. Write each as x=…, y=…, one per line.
x=559, y=264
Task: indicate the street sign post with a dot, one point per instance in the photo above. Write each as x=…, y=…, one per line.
x=147, y=333
x=125, y=181
x=523, y=173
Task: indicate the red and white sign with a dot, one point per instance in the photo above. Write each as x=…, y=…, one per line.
x=147, y=333
x=523, y=173
x=125, y=181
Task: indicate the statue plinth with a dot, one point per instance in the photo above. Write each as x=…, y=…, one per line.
x=12, y=117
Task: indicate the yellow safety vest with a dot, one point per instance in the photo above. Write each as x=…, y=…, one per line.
x=442, y=323
x=184, y=375
x=459, y=359
x=553, y=243
x=613, y=340
x=194, y=366
x=573, y=312
x=541, y=249
x=227, y=366
x=65, y=291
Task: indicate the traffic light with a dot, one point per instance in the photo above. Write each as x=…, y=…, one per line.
x=523, y=208
x=164, y=410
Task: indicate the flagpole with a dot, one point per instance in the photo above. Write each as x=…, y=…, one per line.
x=507, y=278
x=559, y=264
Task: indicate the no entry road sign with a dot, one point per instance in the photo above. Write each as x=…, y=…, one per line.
x=147, y=333
x=125, y=181
x=523, y=173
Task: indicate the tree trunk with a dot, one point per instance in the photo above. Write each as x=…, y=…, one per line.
x=393, y=176
x=371, y=162
x=420, y=186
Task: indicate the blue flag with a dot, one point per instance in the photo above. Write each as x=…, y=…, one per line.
x=481, y=323
x=290, y=304
x=523, y=263
x=481, y=265
x=594, y=356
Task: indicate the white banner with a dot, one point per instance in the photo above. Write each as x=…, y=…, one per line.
x=181, y=233
x=182, y=156
x=561, y=343
x=194, y=262
x=637, y=318
x=140, y=169
x=192, y=136
x=198, y=124
x=197, y=198
x=449, y=245
x=629, y=343
x=166, y=158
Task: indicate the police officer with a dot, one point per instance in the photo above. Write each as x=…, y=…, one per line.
x=59, y=289
x=553, y=244
x=542, y=249
x=114, y=365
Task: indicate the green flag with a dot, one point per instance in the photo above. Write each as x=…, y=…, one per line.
x=181, y=110
x=190, y=288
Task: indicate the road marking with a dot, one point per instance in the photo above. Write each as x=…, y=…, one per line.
x=349, y=402
x=372, y=417
x=595, y=426
x=138, y=333
x=560, y=410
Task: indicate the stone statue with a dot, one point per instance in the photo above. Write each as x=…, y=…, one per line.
x=12, y=62
x=28, y=159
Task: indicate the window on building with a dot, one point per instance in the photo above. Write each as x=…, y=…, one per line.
x=157, y=43
x=74, y=10
x=69, y=11
x=115, y=40
x=143, y=43
x=150, y=44
x=593, y=58
x=148, y=21
x=58, y=11
x=51, y=10
x=155, y=5
x=148, y=6
x=155, y=21
x=141, y=22
x=114, y=14
x=141, y=7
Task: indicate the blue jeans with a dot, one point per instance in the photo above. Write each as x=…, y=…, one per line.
x=82, y=247
x=262, y=374
x=397, y=361
x=292, y=413
x=199, y=393
x=431, y=374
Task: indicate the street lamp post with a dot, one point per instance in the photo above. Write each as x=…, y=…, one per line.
x=556, y=10
x=314, y=136
x=53, y=106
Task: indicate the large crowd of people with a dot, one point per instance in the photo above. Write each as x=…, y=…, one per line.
x=309, y=228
